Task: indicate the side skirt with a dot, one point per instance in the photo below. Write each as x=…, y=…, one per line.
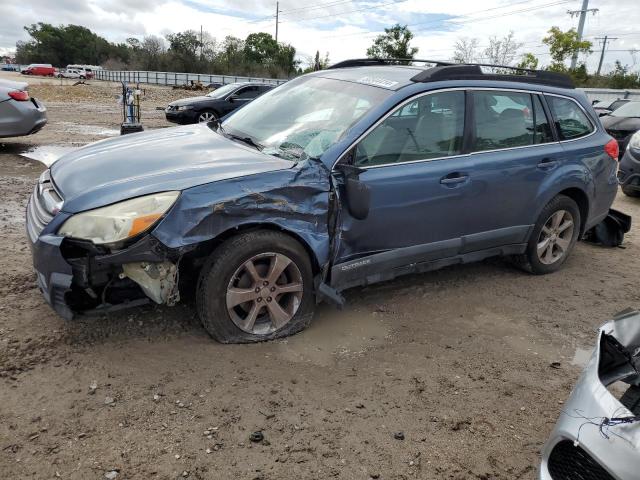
x=383, y=266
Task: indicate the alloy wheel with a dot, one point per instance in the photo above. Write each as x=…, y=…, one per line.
x=264, y=293
x=206, y=117
x=555, y=237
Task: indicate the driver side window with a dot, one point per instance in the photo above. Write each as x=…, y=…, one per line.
x=433, y=129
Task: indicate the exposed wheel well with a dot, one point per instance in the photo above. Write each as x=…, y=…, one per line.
x=192, y=262
x=582, y=200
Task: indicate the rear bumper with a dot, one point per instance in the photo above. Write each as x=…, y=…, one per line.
x=21, y=118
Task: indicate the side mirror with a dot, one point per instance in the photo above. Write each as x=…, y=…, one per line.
x=232, y=98
x=358, y=194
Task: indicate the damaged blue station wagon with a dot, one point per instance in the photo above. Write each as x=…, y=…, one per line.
x=343, y=177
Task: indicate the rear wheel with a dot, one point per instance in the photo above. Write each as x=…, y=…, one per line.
x=254, y=287
x=553, y=238
x=207, y=116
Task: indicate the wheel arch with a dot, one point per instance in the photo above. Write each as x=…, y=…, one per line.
x=582, y=200
x=207, y=247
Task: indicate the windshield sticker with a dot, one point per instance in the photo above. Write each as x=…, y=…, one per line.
x=377, y=81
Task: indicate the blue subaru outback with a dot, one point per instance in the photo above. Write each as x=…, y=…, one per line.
x=343, y=177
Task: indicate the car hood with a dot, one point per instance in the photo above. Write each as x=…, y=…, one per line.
x=160, y=160
x=191, y=101
x=611, y=122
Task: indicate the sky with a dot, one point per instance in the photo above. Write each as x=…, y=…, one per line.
x=343, y=28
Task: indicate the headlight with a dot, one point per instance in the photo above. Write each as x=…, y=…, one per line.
x=634, y=143
x=184, y=107
x=119, y=221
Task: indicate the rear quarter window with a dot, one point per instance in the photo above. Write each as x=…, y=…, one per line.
x=571, y=121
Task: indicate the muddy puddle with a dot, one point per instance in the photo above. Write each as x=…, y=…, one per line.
x=79, y=129
x=46, y=154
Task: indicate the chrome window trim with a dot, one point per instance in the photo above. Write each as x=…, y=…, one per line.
x=453, y=89
x=594, y=128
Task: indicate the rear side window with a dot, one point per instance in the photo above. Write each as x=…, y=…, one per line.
x=248, y=92
x=429, y=127
x=502, y=120
x=571, y=121
x=542, y=126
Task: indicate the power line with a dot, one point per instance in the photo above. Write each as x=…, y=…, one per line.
x=322, y=5
x=462, y=22
x=344, y=13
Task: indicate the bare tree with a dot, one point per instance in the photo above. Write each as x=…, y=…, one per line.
x=502, y=51
x=465, y=50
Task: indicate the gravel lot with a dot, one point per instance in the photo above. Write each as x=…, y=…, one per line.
x=457, y=360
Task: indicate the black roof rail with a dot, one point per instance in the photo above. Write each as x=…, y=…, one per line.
x=474, y=72
x=368, y=62
x=444, y=70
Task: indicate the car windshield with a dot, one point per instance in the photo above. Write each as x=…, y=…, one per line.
x=303, y=117
x=223, y=91
x=630, y=109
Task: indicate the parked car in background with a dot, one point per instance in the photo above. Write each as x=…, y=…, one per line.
x=343, y=177
x=72, y=73
x=605, y=107
x=214, y=85
x=597, y=434
x=629, y=170
x=88, y=70
x=10, y=67
x=43, y=69
x=216, y=104
x=622, y=123
x=20, y=114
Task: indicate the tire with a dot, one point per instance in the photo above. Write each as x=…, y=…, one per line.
x=213, y=116
x=559, y=247
x=226, y=269
x=630, y=192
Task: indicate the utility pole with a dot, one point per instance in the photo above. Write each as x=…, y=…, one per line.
x=277, y=19
x=583, y=14
x=604, y=47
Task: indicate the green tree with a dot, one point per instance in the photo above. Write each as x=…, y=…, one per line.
x=563, y=45
x=529, y=60
x=261, y=48
x=183, y=49
x=393, y=44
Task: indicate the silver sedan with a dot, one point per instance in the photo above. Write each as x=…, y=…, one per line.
x=20, y=114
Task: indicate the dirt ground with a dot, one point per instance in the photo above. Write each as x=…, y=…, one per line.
x=458, y=360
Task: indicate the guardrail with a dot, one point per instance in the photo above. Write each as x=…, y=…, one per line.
x=611, y=94
x=175, y=78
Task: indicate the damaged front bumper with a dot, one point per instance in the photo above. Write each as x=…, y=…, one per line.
x=597, y=435
x=77, y=276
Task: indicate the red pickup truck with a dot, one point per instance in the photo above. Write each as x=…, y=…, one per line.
x=44, y=69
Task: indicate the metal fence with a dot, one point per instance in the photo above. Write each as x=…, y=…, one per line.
x=174, y=78
x=611, y=94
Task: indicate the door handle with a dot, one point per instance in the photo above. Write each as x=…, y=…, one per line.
x=547, y=163
x=454, y=179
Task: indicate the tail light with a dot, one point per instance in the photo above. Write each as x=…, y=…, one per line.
x=612, y=149
x=19, y=95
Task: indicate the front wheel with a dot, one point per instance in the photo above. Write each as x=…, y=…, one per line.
x=256, y=286
x=553, y=238
x=207, y=116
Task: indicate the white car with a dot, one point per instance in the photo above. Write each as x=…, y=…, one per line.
x=72, y=73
